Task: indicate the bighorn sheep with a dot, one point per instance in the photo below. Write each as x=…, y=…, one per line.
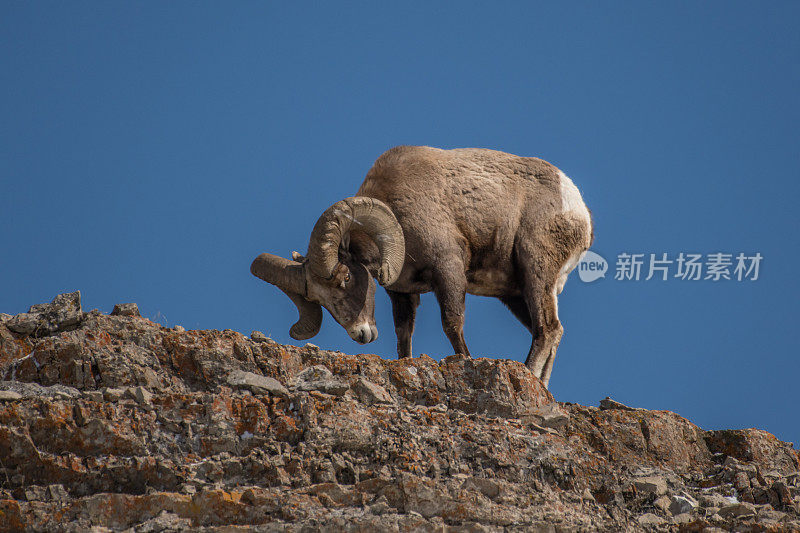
x=448, y=221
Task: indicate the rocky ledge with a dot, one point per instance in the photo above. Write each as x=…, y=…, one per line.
x=113, y=422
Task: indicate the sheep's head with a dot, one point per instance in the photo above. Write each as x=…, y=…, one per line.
x=330, y=277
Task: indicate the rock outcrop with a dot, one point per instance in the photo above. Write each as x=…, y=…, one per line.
x=117, y=423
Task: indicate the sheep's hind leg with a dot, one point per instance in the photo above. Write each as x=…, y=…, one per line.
x=540, y=296
x=404, y=311
x=547, y=331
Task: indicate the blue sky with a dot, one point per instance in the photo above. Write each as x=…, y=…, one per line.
x=148, y=151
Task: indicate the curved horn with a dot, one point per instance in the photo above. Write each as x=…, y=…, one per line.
x=371, y=216
x=289, y=277
x=310, y=318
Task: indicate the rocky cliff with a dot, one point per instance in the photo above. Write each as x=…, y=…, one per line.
x=113, y=422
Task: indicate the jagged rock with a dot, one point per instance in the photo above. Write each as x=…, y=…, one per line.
x=34, y=390
x=24, y=323
x=753, y=445
x=608, y=403
x=93, y=395
x=770, y=516
x=663, y=503
x=650, y=519
x=682, y=504
x=34, y=493
x=122, y=424
x=651, y=485
x=140, y=394
x=737, y=510
x=256, y=384
x=258, y=336
x=550, y=416
x=57, y=493
x=715, y=500
x=111, y=394
x=130, y=309
x=370, y=393
x=165, y=521
x=41, y=320
x=782, y=493
x=319, y=378
x=8, y=396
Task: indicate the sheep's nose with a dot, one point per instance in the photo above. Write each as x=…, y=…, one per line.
x=362, y=333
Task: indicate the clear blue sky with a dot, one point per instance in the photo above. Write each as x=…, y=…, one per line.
x=148, y=151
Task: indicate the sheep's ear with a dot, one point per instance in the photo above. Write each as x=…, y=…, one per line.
x=374, y=269
x=341, y=275
x=297, y=256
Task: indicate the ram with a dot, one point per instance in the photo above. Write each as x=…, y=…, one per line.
x=453, y=222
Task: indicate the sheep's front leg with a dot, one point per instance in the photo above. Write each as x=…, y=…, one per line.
x=404, y=311
x=450, y=287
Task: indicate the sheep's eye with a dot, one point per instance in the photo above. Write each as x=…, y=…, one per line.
x=347, y=277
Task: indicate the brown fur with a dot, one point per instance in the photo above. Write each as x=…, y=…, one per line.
x=478, y=221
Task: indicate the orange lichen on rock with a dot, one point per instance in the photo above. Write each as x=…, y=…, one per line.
x=121, y=423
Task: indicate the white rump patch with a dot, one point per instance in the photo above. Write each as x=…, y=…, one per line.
x=568, y=267
x=571, y=199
